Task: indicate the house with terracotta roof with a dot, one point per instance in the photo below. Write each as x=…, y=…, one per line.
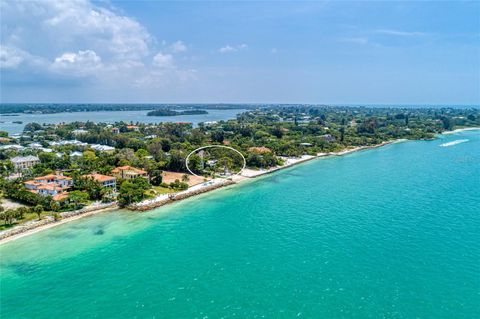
x=133, y=128
x=104, y=180
x=259, y=150
x=49, y=189
x=50, y=185
x=60, y=180
x=128, y=172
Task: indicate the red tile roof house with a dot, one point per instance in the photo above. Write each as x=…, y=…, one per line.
x=53, y=185
x=104, y=180
x=128, y=172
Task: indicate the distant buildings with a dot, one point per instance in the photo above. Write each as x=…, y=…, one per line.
x=21, y=163
x=12, y=147
x=69, y=142
x=259, y=150
x=128, y=172
x=133, y=128
x=104, y=180
x=79, y=132
x=76, y=154
x=102, y=148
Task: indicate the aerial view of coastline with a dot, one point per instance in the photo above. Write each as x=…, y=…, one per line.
x=240, y=159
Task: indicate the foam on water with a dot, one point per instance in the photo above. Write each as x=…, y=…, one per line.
x=454, y=143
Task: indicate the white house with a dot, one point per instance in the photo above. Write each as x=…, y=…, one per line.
x=24, y=162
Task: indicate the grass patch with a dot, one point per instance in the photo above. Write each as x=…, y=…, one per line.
x=26, y=218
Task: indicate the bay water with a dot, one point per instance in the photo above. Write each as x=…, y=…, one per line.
x=392, y=232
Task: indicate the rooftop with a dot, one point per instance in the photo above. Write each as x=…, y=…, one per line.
x=100, y=177
x=20, y=159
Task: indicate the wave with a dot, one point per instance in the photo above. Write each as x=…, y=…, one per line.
x=453, y=143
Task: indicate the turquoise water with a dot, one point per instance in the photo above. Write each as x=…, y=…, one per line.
x=386, y=233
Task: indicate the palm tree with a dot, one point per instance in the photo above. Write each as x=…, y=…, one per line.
x=38, y=210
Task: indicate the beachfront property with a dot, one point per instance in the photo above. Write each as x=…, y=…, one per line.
x=128, y=172
x=54, y=185
x=104, y=180
x=21, y=163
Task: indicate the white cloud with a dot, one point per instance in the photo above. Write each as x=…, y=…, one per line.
x=80, y=63
x=10, y=58
x=229, y=49
x=178, y=46
x=399, y=33
x=76, y=38
x=163, y=61
x=355, y=40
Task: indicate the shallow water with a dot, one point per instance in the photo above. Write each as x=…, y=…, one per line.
x=391, y=232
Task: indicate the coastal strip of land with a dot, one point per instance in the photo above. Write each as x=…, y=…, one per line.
x=37, y=226
x=149, y=204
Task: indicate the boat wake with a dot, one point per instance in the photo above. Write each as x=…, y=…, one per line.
x=453, y=143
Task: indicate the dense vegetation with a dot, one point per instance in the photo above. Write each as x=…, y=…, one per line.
x=264, y=136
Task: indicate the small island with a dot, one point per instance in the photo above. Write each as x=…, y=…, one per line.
x=167, y=112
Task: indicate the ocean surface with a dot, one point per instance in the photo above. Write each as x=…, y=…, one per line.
x=6, y=122
x=392, y=232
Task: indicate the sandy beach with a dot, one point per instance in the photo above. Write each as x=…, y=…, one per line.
x=461, y=130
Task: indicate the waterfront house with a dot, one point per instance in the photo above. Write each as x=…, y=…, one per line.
x=54, y=185
x=104, y=180
x=21, y=163
x=51, y=190
x=128, y=172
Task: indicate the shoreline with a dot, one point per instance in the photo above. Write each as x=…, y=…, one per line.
x=50, y=224
x=247, y=174
x=460, y=130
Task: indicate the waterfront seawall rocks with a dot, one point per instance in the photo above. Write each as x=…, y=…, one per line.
x=50, y=220
x=189, y=193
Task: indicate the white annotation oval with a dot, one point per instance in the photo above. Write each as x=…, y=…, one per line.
x=212, y=146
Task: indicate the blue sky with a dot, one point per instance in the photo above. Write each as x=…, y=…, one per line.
x=240, y=52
